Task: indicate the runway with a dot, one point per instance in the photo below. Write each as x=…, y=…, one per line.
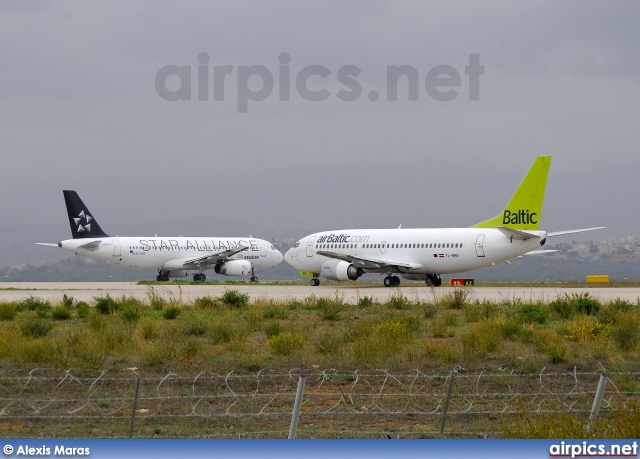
x=86, y=291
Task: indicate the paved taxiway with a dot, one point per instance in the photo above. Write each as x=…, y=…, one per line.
x=86, y=291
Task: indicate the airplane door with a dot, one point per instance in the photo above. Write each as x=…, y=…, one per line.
x=116, y=248
x=310, y=246
x=480, y=245
x=263, y=249
x=383, y=246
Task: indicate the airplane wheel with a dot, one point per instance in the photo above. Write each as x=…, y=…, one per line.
x=438, y=281
x=388, y=281
x=203, y=277
x=254, y=279
x=396, y=281
x=165, y=278
x=159, y=278
x=315, y=282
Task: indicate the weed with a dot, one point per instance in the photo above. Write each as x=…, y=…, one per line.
x=106, y=305
x=7, y=311
x=60, y=313
x=398, y=301
x=156, y=301
x=329, y=309
x=222, y=332
x=286, y=343
x=365, y=301
x=130, y=314
x=429, y=310
x=67, y=301
x=149, y=330
x=626, y=331
x=171, y=312
x=456, y=299
x=195, y=328
x=272, y=329
x=32, y=304
x=36, y=328
x=481, y=338
x=235, y=299
x=530, y=314
x=275, y=311
x=82, y=309
x=207, y=302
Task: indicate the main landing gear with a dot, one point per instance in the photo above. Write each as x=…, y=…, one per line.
x=254, y=278
x=391, y=281
x=434, y=279
x=199, y=277
x=163, y=276
x=315, y=282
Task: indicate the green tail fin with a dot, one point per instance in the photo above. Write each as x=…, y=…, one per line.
x=525, y=206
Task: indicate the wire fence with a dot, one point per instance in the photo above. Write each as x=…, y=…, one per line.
x=335, y=404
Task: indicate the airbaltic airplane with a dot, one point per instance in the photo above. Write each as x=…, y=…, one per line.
x=171, y=256
x=425, y=253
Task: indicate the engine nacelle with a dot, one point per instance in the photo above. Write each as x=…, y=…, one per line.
x=234, y=268
x=339, y=270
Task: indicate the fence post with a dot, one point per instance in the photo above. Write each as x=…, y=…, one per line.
x=595, y=409
x=135, y=406
x=296, y=407
x=446, y=404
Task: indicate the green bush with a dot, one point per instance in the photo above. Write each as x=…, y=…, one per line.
x=207, y=302
x=194, y=328
x=286, y=343
x=60, y=313
x=429, y=310
x=7, y=311
x=626, y=331
x=456, y=299
x=235, y=299
x=130, y=314
x=82, y=309
x=272, y=329
x=36, y=328
x=329, y=309
x=222, y=332
x=155, y=301
x=67, y=301
x=532, y=314
x=398, y=301
x=106, y=305
x=171, y=312
x=365, y=301
x=33, y=304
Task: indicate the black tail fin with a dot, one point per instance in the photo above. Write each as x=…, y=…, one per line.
x=83, y=225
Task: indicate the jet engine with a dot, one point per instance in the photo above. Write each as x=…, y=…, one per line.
x=339, y=270
x=234, y=268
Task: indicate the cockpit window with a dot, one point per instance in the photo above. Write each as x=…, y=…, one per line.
x=273, y=248
x=296, y=245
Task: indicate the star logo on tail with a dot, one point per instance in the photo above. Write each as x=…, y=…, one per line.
x=87, y=220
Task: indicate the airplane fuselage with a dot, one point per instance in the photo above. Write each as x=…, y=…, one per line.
x=171, y=253
x=425, y=251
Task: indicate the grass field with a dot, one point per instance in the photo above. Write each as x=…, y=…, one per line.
x=232, y=332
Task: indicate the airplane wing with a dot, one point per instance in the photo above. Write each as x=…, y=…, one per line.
x=539, y=252
x=217, y=256
x=560, y=233
x=368, y=263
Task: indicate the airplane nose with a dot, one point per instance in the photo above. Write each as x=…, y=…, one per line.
x=287, y=254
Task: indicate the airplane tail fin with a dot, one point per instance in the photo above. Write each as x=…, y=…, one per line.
x=83, y=225
x=525, y=206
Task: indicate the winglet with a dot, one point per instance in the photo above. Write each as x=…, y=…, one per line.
x=525, y=206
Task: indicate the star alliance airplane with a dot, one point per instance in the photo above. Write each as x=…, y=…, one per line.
x=426, y=253
x=171, y=256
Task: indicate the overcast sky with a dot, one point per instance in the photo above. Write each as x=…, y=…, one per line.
x=80, y=109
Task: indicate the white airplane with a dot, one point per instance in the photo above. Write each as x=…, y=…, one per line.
x=426, y=253
x=171, y=256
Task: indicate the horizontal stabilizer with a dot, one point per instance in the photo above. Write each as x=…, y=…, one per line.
x=560, y=233
x=539, y=252
x=516, y=234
